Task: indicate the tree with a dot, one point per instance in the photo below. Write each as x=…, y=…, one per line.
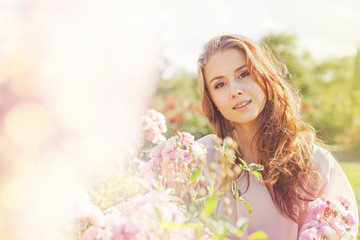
x=298, y=62
x=356, y=77
x=178, y=98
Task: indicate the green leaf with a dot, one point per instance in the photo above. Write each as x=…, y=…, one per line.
x=256, y=167
x=211, y=189
x=244, y=165
x=257, y=174
x=158, y=214
x=238, y=192
x=170, y=225
x=241, y=225
x=194, y=175
x=218, y=237
x=193, y=225
x=234, y=158
x=233, y=186
x=218, y=193
x=249, y=208
x=242, y=222
x=258, y=235
x=209, y=206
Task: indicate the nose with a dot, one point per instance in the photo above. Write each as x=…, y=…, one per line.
x=236, y=90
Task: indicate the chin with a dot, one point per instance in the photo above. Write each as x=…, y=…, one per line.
x=245, y=120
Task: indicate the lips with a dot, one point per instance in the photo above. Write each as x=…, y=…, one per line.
x=241, y=104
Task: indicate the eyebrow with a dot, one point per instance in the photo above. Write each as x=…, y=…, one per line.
x=238, y=69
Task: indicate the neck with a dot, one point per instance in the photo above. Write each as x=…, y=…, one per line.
x=244, y=137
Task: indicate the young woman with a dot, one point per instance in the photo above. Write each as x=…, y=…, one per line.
x=245, y=95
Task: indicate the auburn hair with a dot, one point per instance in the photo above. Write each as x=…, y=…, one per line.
x=284, y=142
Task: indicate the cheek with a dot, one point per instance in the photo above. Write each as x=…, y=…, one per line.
x=262, y=99
x=259, y=92
x=219, y=99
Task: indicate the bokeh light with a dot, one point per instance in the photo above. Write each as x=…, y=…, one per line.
x=75, y=77
x=28, y=123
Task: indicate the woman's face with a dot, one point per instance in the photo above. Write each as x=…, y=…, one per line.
x=235, y=93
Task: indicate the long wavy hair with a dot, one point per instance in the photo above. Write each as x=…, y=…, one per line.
x=284, y=142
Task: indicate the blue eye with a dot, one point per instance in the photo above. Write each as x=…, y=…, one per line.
x=244, y=74
x=219, y=85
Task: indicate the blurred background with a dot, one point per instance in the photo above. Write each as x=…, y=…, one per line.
x=76, y=75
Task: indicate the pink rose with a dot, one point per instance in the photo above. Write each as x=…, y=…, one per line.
x=324, y=229
x=350, y=219
x=157, y=138
x=198, y=150
x=148, y=171
x=339, y=208
x=313, y=217
x=338, y=225
x=186, y=156
x=309, y=234
x=170, y=150
x=154, y=124
x=155, y=155
x=186, y=138
x=345, y=200
x=317, y=206
x=90, y=234
x=331, y=219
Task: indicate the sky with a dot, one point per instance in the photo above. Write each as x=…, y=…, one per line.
x=325, y=28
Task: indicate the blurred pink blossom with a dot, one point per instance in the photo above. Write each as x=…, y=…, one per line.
x=317, y=206
x=85, y=210
x=181, y=151
x=154, y=124
x=338, y=225
x=328, y=220
x=148, y=171
x=345, y=200
x=139, y=219
x=323, y=229
x=350, y=219
x=156, y=156
x=91, y=233
x=309, y=234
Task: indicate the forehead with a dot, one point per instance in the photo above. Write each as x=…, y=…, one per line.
x=223, y=63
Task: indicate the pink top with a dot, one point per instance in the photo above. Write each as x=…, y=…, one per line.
x=265, y=216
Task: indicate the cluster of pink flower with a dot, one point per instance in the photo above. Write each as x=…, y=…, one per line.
x=328, y=220
x=140, y=218
x=154, y=215
x=154, y=125
x=181, y=151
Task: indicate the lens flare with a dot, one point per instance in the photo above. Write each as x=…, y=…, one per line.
x=28, y=123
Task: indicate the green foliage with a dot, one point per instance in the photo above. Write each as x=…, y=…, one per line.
x=356, y=78
x=330, y=89
x=194, y=175
x=237, y=195
x=258, y=235
x=285, y=49
x=209, y=206
x=178, y=99
x=253, y=168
